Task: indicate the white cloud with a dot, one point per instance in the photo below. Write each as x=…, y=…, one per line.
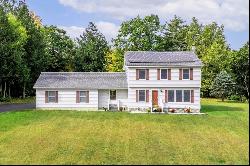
x=109, y=30
x=233, y=14
x=73, y=31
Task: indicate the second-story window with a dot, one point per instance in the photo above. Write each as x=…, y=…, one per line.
x=164, y=74
x=185, y=74
x=142, y=74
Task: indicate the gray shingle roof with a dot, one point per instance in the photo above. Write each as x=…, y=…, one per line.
x=82, y=80
x=149, y=58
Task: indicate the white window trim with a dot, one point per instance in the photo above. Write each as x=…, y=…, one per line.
x=167, y=74
x=115, y=94
x=139, y=74
x=188, y=73
x=51, y=96
x=139, y=95
x=82, y=96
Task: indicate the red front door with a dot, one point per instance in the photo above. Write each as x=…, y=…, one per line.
x=155, y=97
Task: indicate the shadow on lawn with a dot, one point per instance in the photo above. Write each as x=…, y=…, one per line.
x=218, y=108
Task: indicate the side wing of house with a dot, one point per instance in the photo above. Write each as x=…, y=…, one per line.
x=81, y=91
x=67, y=99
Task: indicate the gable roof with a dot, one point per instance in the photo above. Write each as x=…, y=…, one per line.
x=82, y=80
x=150, y=58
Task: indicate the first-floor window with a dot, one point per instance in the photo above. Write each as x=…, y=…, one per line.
x=83, y=96
x=187, y=95
x=112, y=94
x=178, y=95
x=51, y=96
x=170, y=95
x=142, y=95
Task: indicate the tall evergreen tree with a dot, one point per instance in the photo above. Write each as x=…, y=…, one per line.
x=91, y=50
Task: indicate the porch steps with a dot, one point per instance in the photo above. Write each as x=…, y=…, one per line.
x=113, y=107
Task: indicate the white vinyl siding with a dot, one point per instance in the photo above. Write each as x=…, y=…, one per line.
x=66, y=99
x=154, y=83
x=131, y=103
x=104, y=97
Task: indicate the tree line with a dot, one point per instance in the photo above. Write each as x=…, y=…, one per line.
x=28, y=48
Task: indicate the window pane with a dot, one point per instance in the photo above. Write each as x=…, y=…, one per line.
x=186, y=95
x=178, y=95
x=52, y=99
x=52, y=93
x=185, y=73
x=112, y=94
x=164, y=73
x=142, y=74
x=83, y=93
x=142, y=95
x=170, y=95
x=83, y=99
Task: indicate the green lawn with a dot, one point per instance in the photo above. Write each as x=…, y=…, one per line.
x=73, y=137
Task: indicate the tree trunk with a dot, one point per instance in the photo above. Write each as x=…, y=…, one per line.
x=223, y=99
x=1, y=89
x=24, y=90
x=9, y=91
x=4, y=91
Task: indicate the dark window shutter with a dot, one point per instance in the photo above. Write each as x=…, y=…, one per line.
x=180, y=74
x=147, y=96
x=46, y=96
x=169, y=74
x=192, y=96
x=87, y=97
x=77, y=97
x=166, y=96
x=136, y=95
x=56, y=96
x=158, y=74
x=191, y=73
x=147, y=74
x=137, y=74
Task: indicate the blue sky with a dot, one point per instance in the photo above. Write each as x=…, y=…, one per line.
x=74, y=15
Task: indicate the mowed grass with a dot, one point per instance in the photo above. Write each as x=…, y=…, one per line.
x=74, y=137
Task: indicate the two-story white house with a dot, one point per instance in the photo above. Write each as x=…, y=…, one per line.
x=164, y=80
